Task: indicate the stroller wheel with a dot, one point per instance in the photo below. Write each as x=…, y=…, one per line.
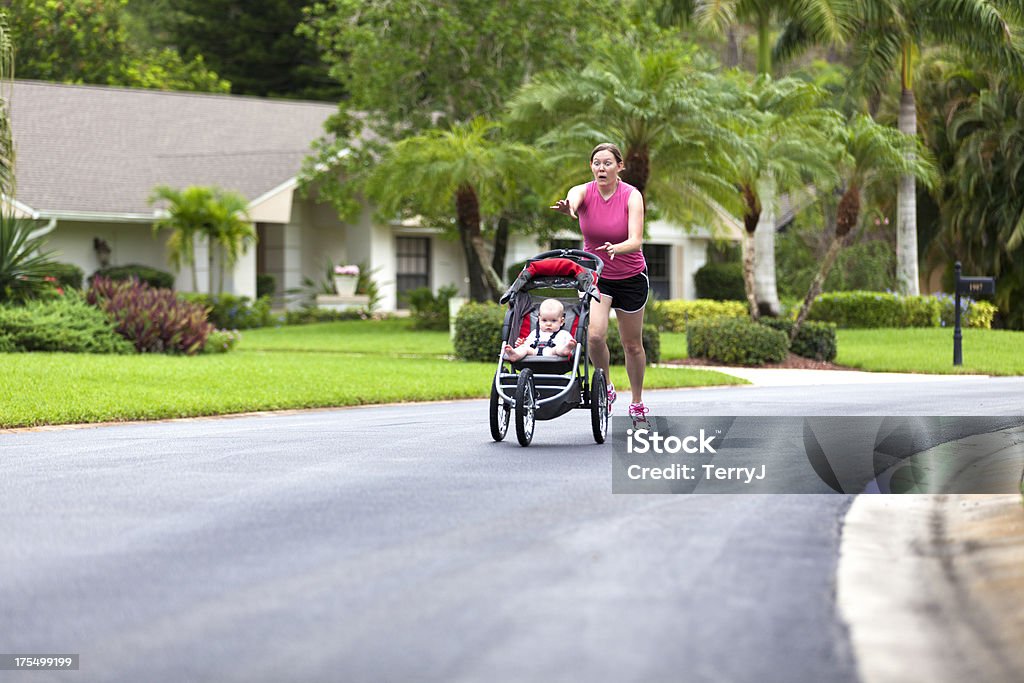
x=599, y=406
x=500, y=414
x=526, y=403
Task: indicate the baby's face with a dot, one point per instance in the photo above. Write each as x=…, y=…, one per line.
x=550, y=321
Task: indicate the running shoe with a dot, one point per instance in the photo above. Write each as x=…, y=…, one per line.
x=611, y=396
x=638, y=411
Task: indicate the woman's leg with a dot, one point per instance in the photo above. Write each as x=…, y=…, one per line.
x=631, y=327
x=597, y=333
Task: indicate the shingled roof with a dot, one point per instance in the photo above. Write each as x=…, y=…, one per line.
x=101, y=150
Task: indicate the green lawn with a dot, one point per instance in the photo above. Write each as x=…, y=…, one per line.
x=924, y=350
x=930, y=350
x=330, y=364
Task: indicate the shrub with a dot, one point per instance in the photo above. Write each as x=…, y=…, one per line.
x=478, y=331
x=675, y=312
x=651, y=339
x=972, y=313
x=720, y=281
x=68, y=275
x=735, y=341
x=230, y=312
x=150, y=276
x=920, y=311
x=814, y=340
x=222, y=341
x=266, y=285
x=885, y=309
x=430, y=312
x=65, y=324
x=24, y=265
x=858, y=309
x=154, y=320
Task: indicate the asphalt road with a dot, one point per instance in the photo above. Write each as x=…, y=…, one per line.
x=400, y=543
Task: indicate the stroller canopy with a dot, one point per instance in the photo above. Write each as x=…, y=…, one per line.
x=554, y=272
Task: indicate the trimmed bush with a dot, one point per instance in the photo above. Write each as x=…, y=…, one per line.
x=675, y=312
x=921, y=311
x=151, y=276
x=478, y=331
x=972, y=313
x=814, y=340
x=735, y=341
x=65, y=324
x=720, y=281
x=651, y=339
x=230, y=312
x=69, y=276
x=430, y=312
x=153, y=320
x=885, y=309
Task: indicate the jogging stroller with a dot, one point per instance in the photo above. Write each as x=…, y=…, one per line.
x=544, y=387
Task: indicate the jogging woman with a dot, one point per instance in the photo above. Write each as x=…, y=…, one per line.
x=611, y=216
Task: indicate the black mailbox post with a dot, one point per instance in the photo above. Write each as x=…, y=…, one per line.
x=967, y=286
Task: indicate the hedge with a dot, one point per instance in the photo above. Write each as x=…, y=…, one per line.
x=230, y=312
x=478, y=335
x=720, y=281
x=815, y=340
x=735, y=341
x=674, y=313
x=151, y=276
x=69, y=276
x=859, y=309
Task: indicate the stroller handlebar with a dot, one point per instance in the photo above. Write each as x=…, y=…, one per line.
x=584, y=258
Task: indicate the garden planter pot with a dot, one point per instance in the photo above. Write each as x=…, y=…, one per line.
x=345, y=285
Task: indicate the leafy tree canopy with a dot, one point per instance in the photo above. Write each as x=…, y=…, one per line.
x=87, y=41
x=252, y=44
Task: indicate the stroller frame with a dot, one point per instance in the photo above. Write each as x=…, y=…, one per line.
x=546, y=387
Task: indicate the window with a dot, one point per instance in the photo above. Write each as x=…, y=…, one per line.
x=658, y=257
x=413, y=267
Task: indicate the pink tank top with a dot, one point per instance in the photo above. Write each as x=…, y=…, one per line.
x=607, y=220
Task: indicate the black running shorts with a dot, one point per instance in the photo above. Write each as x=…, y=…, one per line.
x=628, y=295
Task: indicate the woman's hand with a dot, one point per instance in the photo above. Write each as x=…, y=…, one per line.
x=563, y=206
x=608, y=247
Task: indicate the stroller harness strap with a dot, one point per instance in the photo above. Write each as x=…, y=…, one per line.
x=547, y=343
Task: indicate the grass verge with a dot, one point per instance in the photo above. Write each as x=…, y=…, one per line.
x=58, y=388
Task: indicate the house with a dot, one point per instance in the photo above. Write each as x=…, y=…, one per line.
x=89, y=157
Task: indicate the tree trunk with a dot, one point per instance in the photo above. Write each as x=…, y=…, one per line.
x=846, y=220
x=484, y=285
x=500, y=245
x=765, y=288
x=751, y=217
x=906, y=210
x=195, y=266
x=638, y=168
x=748, y=273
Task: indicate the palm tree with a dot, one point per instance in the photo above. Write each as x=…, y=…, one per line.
x=204, y=212
x=870, y=156
x=787, y=134
x=983, y=206
x=887, y=35
x=667, y=111
x=825, y=21
x=469, y=168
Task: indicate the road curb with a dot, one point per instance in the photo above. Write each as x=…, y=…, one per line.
x=930, y=587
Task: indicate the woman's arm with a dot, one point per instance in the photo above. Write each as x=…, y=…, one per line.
x=571, y=204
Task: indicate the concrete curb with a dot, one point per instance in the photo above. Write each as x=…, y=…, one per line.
x=931, y=587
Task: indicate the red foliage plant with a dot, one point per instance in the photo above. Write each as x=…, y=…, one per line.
x=154, y=320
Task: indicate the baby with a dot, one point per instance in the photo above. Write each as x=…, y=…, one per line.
x=549, y=336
